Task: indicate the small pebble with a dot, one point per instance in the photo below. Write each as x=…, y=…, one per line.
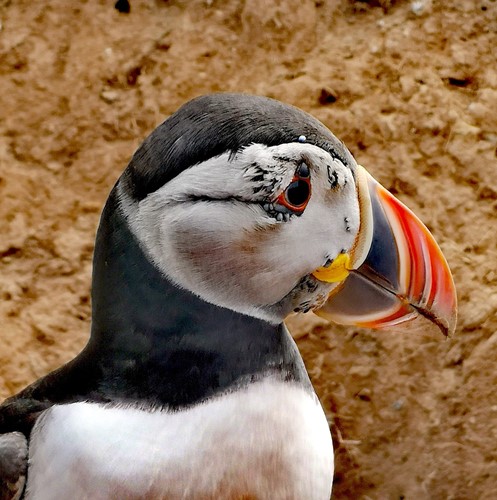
x=398, y=405
x=123, y=6
x=109, y=96
x=420, y=7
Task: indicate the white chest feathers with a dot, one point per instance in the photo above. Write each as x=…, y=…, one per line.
x=268, y=441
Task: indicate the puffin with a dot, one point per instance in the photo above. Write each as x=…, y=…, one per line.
x=234, y=213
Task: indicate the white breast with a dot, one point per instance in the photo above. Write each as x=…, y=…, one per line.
x=268, y=441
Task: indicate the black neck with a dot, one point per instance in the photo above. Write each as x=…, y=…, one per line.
x=158, y=342
x=153, y=343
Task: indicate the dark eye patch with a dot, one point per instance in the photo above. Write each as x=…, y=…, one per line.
x=303, y=171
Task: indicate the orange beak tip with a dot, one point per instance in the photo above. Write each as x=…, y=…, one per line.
x=400, y=278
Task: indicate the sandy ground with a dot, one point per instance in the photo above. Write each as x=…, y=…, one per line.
x=411, y=87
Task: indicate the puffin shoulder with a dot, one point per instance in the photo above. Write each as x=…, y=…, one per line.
x=13, y=465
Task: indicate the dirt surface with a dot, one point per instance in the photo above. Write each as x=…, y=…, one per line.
x=410, y=87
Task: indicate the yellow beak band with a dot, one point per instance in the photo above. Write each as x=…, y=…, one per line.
x=338, y=270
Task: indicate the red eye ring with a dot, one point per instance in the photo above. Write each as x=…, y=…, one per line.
x=297, y=195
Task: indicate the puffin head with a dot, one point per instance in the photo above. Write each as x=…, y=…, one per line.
x=255, y=206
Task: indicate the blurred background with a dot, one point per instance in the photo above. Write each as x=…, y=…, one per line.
x=409, y=86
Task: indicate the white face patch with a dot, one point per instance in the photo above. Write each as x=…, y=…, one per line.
x=208, y=231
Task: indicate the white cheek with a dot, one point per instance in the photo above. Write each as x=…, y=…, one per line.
x=233, y=254
x=230, y=259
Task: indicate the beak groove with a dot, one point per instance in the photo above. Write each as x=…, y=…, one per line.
x=398, y=272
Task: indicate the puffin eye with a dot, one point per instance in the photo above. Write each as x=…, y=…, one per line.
x=295, y=197
x=297, y=193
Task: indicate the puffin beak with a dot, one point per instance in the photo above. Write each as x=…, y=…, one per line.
x=394, y=274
